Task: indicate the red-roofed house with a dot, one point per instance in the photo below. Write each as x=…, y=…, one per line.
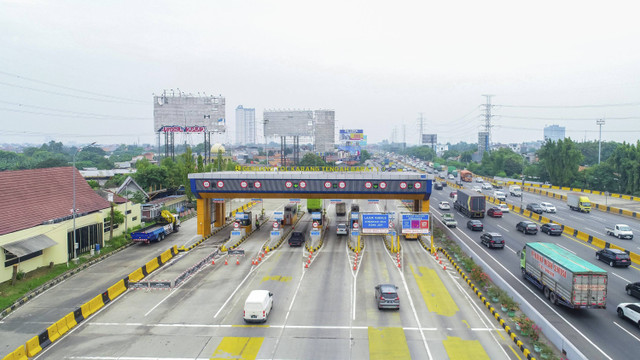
x=36, y=222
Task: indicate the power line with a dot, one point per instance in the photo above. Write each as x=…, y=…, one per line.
x=70, y=88
x=565, y=119
x=581, y=131
x=70, y=95
x=67, y=112
x=567, y=106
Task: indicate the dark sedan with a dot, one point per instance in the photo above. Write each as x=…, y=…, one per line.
x=613, y=257
x=494, y=212
x=633, y=289
x=535, y=207
x=475, y=225
x=527, y=227
x=551, y=229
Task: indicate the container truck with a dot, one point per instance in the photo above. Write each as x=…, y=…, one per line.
x=341, y=209
x=314, y=205
x=578, y=202
x=165, y=224
x=471, y=205
x=465, y=175
x=563, y=277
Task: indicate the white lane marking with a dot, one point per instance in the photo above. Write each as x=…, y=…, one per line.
x=161, y=301
x=573, y=252
x=625, y=330
x=236, y=289
x=559, y=218
x=515, y=252
x=503, y=228
x=275, y=348
x=589, y=229
x=620, y=277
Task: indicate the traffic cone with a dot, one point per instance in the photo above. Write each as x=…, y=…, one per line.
x=445, y=267
x=225, y=262
x=213, y=261
x=310, y=255
x=306, y=265
x=355, y=266
x=237, y=261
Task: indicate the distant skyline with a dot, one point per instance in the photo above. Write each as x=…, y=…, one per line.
x=79, y=72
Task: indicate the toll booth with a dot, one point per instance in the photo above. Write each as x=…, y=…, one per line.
x=317, y=218
x=246, y=221
x=290, y=214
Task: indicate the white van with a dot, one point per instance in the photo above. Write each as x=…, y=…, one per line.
x=258, y=306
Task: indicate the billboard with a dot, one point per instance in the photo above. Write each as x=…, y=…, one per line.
x=415, y=223
x=429, y=139
x=375, y=223
x=351, y=135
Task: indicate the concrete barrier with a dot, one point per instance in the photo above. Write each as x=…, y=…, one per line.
x=18, y=354
x=151, y=265
x=33, y=346
x=136, y=275
x=583, y=236
x=96, y=303
x=165, y=256
x=71, y=320
x=116, y=289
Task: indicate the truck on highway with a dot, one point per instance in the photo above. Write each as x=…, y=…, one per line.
x=515, y=190
x=341, y=209
x=466, y=175
x=471, y=205
x=165, y=224
x=563, y=277
x=621, y=231
x=449, y=220
x=314, y=205
x=578, y=202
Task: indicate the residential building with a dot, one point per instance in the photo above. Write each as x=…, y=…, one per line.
x=554, y=132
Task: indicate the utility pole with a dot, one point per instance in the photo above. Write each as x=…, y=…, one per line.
x=264, y=132
x=487, y=121
x=600, y=122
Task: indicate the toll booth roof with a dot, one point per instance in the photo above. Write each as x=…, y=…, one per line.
x=349, y=175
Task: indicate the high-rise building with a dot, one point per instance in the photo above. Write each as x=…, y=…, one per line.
x=483, y=142
x=245, y=126
x=554, y=133
x=186, y=110
x=324, y=134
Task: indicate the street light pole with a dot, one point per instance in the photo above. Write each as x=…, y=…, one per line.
x=600, y=122
x=266, y=151
x=74, y=210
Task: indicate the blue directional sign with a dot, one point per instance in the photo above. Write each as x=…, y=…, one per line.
x=235, y=233
x=415, y=223
x=315, y=232
x=316, y=216
x=278, y=215
x=375, y=223
x=355, y=233
x=275, y=233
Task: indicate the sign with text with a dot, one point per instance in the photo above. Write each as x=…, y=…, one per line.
x=275, y=233
x=242, y=216
x=315, y=232
x=316, y=216
x=296, y=201
x=278, y=215
x=236, y=233
x=415, y=223
x=375, y=223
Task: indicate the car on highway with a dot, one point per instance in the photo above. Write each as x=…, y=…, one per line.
x=500, y=195
x=342, y=229
x=630, y=311
x=548, y=207
x=437, y=186
x=453, y=194
x=444, y=205
x=477, y=189
x=492, y=240
x=444, y=184
x=494, y=212
x=527, y=227
x=451, y=177
x=551, y=229
x=486, y=186
x=387, y=296
x=504, y=208
x=475, y=225
x=535, y=207
x=633, y=289
x=613, y=257
x=258, y=306
x=479, y=180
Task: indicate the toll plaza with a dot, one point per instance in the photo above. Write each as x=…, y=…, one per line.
x=206, y=187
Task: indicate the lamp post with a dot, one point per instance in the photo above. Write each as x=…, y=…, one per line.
x=266, y=151
x=74, y=210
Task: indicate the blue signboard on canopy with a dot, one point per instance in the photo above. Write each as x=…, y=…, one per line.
x=315, y=232
x=415, y=223
x=316, y=216
x=375, y=223
x=278, y=215
x=242, y=216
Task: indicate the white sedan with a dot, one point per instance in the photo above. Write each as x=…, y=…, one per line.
x=630, y=311
x=548, y=207
x=444, y=205
x=504, y=207
x=477, y=189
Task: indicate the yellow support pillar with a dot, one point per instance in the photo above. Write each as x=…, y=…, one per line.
x=203, y=207
x=424, y=206
x=220, y=215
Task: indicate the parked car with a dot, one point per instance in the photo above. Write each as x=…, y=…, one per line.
x=494, y=212
x=527, y=227
x=492, y=240
x=551, y=229
x=548, y=207
x=504, y=208
x=475, y=225
x=633, y=289
x=444, y=205
x=630, y=311
x=613, y=257
x=437, y=186
x=387, y=296
x=535, y=207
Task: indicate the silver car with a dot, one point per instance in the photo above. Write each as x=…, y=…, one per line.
x=387, y=296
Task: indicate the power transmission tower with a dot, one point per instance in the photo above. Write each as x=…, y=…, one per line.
x=487, y=121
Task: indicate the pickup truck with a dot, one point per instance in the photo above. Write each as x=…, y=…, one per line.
x=449, y=220
x=621, y=231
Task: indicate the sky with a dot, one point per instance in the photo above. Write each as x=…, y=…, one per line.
x=85, y=71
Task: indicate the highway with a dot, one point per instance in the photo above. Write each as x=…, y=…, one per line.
x=324, y=311
x=597, y=333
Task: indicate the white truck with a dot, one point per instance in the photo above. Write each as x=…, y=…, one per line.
x=500, y=195
x=515, y=190
x=621, y=231
x=563, y=277
x=449, y=220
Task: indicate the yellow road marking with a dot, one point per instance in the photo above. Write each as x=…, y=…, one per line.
x=500, y=333
x=277, y=278
x=515, y=352
x=434, y=293
x=465, y=321
x=459, y=349
x=241, y=348
x=388, y=343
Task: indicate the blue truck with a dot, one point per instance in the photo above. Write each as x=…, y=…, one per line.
x=165, y=224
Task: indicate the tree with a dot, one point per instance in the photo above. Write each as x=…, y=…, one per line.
x=149, y=175
x=94, y=184
x=187, y=166
x=311, y=159
x=138, y=197
x=560, y=160
x=364, y=156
